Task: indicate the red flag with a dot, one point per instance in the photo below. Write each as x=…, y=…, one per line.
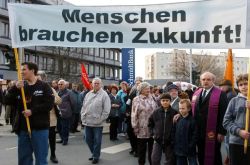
x=85, y=78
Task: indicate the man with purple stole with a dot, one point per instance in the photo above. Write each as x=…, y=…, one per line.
x=209, y=104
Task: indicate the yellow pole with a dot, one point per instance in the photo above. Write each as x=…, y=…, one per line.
x=19, y=76
x=247, y=112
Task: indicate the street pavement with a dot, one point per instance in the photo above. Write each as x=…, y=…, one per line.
x=75, y=153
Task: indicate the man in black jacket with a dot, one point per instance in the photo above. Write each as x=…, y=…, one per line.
x=40, y=100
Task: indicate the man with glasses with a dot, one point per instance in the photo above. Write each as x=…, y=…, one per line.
x=209, y=104
x=95, y=111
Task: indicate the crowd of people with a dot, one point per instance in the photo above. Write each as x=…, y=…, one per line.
x=186, y=127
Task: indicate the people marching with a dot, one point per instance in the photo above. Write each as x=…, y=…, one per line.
x=186, y=126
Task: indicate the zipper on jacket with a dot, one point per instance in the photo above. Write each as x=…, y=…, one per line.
x=164, y=128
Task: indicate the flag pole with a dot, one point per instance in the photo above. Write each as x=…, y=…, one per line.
x=247, y=112
x=19, y=76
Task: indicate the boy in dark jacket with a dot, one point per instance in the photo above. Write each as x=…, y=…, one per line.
x=185, y=136
x=161, y=124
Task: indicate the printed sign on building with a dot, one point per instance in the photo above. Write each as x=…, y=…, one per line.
x=128, y=65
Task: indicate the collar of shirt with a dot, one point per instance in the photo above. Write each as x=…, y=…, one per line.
x=207, y=90
x=173, y=101
x=96, y=92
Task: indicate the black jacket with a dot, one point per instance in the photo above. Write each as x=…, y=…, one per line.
x=185, y=136
x=40, y=100
x=161, y=125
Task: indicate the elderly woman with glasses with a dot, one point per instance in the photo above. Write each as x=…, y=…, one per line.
x=142, y=107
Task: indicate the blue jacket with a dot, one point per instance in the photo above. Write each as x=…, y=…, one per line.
x=76, y=101
x=122, y=95
x=185, y=136
x=234, y=119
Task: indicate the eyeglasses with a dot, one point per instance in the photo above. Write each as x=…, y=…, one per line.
x=60, y=84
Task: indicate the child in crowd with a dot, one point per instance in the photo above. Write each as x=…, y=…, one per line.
x=160, y=125
x=185, y=135
x=234, y=122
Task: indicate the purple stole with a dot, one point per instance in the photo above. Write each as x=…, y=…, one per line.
x=213, y=109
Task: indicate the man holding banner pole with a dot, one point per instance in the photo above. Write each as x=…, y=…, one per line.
x=40, y=100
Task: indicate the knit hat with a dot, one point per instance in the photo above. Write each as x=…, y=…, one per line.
x=172, y=86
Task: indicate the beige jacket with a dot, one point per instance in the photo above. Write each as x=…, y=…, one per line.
x=142, y=108
x=53, y=118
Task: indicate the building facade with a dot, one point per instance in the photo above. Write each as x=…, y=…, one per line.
x=59, y=62
x=160, y=64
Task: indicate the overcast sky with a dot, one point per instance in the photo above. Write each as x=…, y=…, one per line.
x=141, y=53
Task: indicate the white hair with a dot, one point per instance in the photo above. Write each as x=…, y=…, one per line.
x=97, y=79
x=142, y=86
x=63, y=81
x=211, y=75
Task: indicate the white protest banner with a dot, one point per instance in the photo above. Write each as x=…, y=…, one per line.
x=203, y=24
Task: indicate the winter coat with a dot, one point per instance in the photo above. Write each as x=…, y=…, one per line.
x=114, y=112
x=96, y=108
x=76, y=101
x=161, y=125
x=122, y=95
x=142, y=108
x=65, y=107
x=185, y=136
x=234, y=119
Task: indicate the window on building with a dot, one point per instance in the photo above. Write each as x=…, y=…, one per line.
x=3, y=4
x=26, y=57
x=111, y=52
x=56, y=66
x=107, y=72
x=73, y=67
x=102, y=51
x=74, y=50
x=97, y=70
x=111, y=73
x=34, y=58
x=91, y=51
x=65, y=66
x=79, y=69
x=2, y=58
x=102, y=75
x=85, y=51
x=116, y=73
x=51, y=64
x=106, y=53
x=117, y=55
x=91, y=70
x=4, y=30
x=97, y=54
x=87, y=68
x=79, y=50
x=43, y=63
